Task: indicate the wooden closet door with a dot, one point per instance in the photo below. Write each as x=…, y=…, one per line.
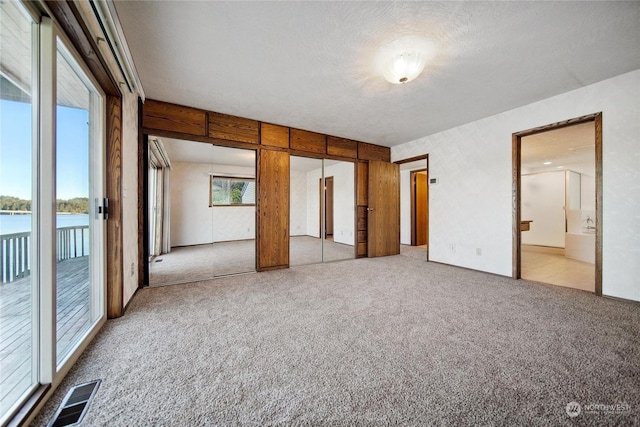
x=383, y=209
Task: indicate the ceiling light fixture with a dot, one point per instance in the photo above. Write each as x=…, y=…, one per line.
x=404, y=66
x=404, y=59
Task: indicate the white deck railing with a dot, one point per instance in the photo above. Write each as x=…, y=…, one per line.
x=15, y=249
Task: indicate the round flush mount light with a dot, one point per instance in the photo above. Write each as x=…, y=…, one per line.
x=404, y=66
x=404, y=59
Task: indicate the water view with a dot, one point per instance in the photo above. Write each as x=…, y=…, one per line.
x=11, y=224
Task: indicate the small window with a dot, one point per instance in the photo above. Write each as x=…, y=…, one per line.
x=226, y=191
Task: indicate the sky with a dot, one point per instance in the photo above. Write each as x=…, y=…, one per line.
x=72, y=158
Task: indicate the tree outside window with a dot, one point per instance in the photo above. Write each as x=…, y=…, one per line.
x=226, y=191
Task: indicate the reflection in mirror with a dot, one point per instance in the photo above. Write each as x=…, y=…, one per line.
x=322, y=204
x=305, y=245
x=201, y=211
x=339, y=211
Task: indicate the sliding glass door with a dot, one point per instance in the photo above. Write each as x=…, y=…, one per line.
x=18, y=292
x=79, y=228
x=52, y=292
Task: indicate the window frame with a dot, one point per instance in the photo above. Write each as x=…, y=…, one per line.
x=230, y=179
x=47, y=372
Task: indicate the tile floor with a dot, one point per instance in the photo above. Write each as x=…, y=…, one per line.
x=557, y=270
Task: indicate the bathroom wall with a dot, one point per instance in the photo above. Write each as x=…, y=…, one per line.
x=543, y=202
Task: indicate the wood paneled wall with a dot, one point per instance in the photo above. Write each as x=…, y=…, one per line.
x=274, y=143
x=362, y=190
x=114, y=272
x=272, y=242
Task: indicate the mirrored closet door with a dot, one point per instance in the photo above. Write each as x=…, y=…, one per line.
x=201, y=211
x=322, y=210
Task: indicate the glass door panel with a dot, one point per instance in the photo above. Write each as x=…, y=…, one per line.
x=18, y=328
x=78, y=229
x=305, y=244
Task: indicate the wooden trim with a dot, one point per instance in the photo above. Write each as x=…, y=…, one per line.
x=516, y=153
x=342, y=147
x=174, y=118
x=413, y=159
x=143, y=177
x=233, y=128
x=368, y=151
x=558, y=125
x=68, y=17
x=321, y=156
x=599, y=206
x=114, y=277
x=304, y=140
x=273, y=267
x=516, y=237
x=201, y=138
x=144, y=256
x=162, y=122
x=414, y=223
x=428, y=207
x=274, y=135
x=362, y=192
x=412, y=192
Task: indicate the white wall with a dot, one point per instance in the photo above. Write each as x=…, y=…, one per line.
x=298, y=203
x=471, y=207
x=405, y=207
x=129, y=195
x=343, y=201
x=193, y=222
x=587, y=192
x=543, y=202
x=313, y=202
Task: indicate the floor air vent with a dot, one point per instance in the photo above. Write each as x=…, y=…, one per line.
x=75, y=405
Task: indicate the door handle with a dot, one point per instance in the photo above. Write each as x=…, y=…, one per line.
x=369, y=209
x=103, y=209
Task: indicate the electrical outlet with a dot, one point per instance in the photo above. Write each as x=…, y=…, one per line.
x=478, y=251
x=133, y=269
x=452, y=247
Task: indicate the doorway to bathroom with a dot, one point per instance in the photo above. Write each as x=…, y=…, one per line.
x=557, y=212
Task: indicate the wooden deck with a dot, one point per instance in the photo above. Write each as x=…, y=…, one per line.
x=73, y=316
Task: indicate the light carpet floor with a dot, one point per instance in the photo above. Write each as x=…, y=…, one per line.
x=186, y=264
x=371, y=342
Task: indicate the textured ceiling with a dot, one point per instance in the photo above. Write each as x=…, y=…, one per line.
x=571, y=148
x=197, y=152
x=311, y=64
